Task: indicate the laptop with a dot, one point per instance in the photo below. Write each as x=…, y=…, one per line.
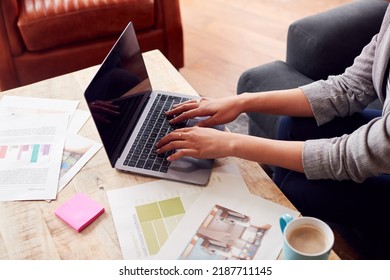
x=130, y=116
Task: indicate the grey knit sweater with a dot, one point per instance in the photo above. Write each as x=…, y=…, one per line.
x=365, y=152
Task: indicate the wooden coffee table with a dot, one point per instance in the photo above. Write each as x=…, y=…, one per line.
x=30, y=230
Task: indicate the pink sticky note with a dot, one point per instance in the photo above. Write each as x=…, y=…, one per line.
x=79, y=211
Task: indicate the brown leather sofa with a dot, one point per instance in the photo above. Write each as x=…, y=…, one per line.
x=40, y=39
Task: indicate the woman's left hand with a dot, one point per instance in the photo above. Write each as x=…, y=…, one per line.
x=197, y=142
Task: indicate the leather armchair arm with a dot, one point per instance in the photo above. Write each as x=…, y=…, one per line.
x=171, y=18
x=9, y=10
x=10, y=42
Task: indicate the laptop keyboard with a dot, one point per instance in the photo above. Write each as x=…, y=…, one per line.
x=156, y=125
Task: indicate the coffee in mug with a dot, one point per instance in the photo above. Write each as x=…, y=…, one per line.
x=305, y=238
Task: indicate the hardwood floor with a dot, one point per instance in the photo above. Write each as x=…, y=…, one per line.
x=223, y=38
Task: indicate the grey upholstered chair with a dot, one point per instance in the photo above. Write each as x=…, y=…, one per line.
x=317, y=46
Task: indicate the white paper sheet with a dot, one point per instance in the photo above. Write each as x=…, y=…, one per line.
x=20, y=104
x=31, y=147
x=146, y=197
x=78, y=120
x=78, y=150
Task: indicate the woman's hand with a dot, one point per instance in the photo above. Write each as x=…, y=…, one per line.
x=209, y=143
x=219, y=111
x=197, y=142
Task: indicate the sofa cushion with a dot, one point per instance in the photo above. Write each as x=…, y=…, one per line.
x=45, y=24
x=326, y=43
x=275, y=75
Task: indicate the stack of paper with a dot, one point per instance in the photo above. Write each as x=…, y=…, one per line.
x=40, y=150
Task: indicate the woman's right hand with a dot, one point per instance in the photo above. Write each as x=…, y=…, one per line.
x=218, y=111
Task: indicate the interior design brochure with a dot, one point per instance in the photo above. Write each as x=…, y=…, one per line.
x=31, y=147
x=226, y=234
x=226, y=223
x=145, y=215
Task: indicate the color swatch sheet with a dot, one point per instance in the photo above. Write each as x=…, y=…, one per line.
x=145, y=215
x=158, y=219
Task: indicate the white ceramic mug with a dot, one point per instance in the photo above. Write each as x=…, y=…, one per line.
x=305, y=238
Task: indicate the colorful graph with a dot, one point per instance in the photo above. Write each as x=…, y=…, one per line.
x=33, y=153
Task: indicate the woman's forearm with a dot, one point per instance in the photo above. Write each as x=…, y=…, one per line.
x=291, y=102
x=286, y=154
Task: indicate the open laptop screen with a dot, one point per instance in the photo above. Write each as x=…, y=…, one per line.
x=118, y=92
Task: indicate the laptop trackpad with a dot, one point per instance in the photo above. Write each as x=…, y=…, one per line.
x=194, y=121
x=188, y=164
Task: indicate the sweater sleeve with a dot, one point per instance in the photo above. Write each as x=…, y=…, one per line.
x=345, y=94
x=364, y=153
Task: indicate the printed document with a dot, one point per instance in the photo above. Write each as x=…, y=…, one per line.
x=31, y=147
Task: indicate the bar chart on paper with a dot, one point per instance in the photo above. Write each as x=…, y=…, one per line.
x=31, y=153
